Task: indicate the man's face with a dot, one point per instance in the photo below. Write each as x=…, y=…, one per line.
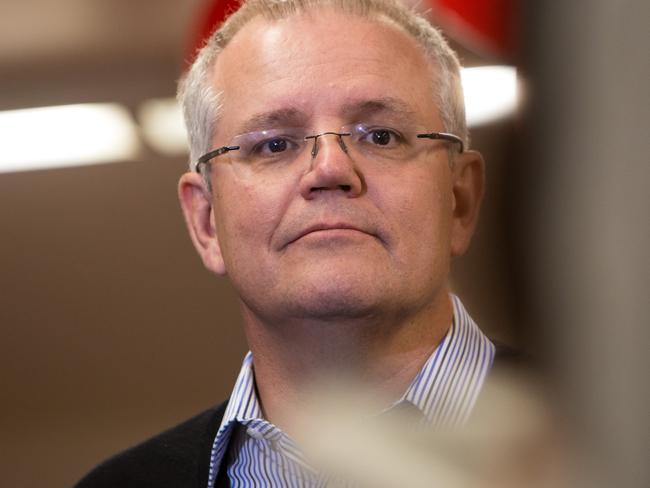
x=339, y=237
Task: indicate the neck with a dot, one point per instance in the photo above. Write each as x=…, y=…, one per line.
x=384, y=354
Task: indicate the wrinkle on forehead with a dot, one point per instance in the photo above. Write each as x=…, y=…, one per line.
x=388, y=108
x=283, y=117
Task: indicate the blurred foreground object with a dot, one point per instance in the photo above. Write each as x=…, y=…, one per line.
x=513, y=439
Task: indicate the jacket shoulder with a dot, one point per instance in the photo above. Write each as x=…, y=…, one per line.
x=177, y=457
x=507, y=357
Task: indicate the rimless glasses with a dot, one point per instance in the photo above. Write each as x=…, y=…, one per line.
x=273, y=152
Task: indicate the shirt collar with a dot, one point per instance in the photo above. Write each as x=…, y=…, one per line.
x=446, y=387
x=444, y=390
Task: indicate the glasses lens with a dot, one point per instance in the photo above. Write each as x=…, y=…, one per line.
x=383, y=142
x=265, y=151
x=274, y=154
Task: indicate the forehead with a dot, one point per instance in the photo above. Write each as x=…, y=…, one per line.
x=319, y=64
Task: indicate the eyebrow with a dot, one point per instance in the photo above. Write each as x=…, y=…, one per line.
x=285, y=117
x=393, y=107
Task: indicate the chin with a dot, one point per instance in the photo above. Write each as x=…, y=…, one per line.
x=335, y=297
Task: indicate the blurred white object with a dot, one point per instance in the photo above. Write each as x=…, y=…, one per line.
x=490, y=93
x=512, y=439
x=66, y=135
x=162, y=126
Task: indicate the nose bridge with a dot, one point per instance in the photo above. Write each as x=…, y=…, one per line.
x=330, y=154
x=338, y=135
x=331, y=167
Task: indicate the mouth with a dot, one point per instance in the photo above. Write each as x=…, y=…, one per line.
x=330, y=231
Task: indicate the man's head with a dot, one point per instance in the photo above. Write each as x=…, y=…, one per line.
x=201, y=104
x=342, y=233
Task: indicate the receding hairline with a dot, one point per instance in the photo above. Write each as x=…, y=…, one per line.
x=276, y=11
x=226, y=33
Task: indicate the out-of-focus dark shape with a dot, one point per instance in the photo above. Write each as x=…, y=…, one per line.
x=581, y=201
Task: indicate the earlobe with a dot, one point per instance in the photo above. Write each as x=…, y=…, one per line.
x=196, y=204
x=468, y=188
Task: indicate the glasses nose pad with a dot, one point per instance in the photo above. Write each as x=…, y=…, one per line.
x=344, y=148
x=339, y=136
x=314, y=147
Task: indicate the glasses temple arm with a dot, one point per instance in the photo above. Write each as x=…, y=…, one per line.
x=213, y=154
x=444, y=136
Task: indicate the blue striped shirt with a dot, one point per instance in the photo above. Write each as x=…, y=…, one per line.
x=444, y=391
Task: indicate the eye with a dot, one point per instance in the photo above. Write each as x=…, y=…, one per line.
x=380, y=137
x=275, y=146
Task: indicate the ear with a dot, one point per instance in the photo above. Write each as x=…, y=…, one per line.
x=468, y=175
x=196, y=202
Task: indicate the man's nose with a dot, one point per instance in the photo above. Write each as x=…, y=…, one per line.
x=331, y=168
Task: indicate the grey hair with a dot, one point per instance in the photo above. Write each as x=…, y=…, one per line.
x=201, y=105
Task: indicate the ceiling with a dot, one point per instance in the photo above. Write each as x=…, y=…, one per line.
x=91, y=50
x=42, y=31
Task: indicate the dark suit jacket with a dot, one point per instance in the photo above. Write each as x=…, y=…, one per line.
x=180, y=457
x=177, y=458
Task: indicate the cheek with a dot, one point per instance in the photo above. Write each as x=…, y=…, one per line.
x=245, y=217
x=420, y=209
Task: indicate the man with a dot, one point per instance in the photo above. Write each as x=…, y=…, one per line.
x=331, y=184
